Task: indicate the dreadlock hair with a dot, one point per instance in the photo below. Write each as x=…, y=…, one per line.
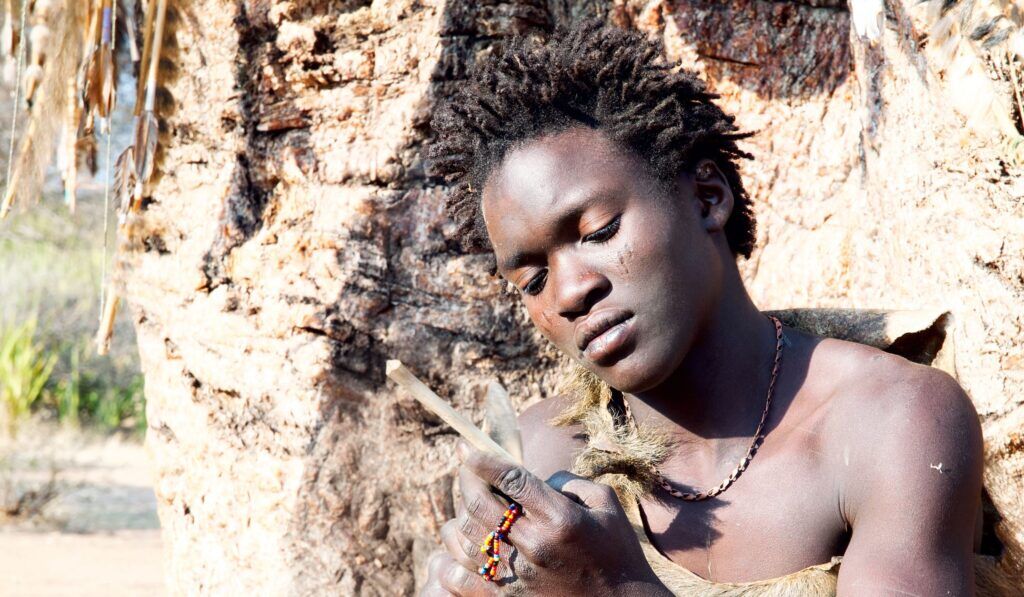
x=593, y=75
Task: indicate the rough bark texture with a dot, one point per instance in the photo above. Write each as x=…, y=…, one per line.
x=292, y=242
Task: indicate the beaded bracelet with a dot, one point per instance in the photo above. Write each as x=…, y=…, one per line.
x=492, y=542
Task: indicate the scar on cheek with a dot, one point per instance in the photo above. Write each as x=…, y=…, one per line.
x=624, y=256
x=545, y=317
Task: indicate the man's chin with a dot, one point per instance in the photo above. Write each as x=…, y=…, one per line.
x=630, y=377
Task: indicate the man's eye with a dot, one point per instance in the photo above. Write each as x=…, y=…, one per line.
x=536, y=284
x=602, y=235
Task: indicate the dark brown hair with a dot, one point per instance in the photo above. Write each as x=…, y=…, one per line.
x=594, y=75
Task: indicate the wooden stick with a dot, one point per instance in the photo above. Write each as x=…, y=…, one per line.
x=106, y=331
x=133, y=49
x=154, y=58
x=419, y=390
x=147, y=50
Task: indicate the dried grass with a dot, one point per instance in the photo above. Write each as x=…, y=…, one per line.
x=37, y=145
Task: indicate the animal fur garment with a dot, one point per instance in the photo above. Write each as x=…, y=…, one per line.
x=977, y=48
x=632, y=451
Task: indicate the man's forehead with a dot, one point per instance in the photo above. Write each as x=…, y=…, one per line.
x=528, y=175
x=561, y=153
x=544, y=182
x=551, y=172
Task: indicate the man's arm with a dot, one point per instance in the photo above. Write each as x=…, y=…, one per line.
x=914, y=479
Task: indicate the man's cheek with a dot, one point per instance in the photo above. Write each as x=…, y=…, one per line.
x=624, y=259
x=545, y=320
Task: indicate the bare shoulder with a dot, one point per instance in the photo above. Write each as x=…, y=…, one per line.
x=548, y=448
x=904, y=430
x=895, y=397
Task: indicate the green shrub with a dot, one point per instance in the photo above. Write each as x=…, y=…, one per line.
x=86, y=395
x=51, y=264
x=67, y=382
x=25, y=369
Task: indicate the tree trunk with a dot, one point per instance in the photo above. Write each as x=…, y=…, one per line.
x=292, y=242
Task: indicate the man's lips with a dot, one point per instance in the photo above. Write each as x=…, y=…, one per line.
x=598, y=323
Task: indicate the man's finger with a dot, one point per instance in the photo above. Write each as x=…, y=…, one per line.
x=435, y=568
x=482, y=512
x=462, y=582
x=584, y=491
x=460, y=547
x=537, y=498
x=478, y=501
x=481, y=504
x=479, y=510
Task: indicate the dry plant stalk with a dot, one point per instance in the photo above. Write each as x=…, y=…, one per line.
x=133, y=44
x=149, y=21
x=135, y=165
x=89, y=74
x=5, y=206
x=147, y=129
x=106, y=331
x=13, y=183
x=69, y=147
x=8, y=37
x=100, y=76
x=61, y=58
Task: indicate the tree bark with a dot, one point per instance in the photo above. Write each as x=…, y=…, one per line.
x=292, y=241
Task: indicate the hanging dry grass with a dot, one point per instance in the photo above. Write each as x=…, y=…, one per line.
x=135, y=165
x=100, y=78
x=66, y=64
x=36, y=145
x=144, y=140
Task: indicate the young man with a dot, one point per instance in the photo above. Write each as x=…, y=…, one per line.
x=605, y=182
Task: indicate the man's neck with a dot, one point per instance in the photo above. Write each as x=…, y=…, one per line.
x=719, y=389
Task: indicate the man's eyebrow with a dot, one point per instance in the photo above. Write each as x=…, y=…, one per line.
x=515, y=261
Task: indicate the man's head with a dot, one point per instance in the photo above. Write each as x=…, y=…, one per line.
x=604, y=181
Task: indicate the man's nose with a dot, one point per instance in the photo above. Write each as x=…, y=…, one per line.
x=577, y=288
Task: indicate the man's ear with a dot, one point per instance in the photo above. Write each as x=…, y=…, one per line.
x=713, y=194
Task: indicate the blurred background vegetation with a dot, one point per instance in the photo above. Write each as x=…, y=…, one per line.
x=51, y=266
x=51, y=271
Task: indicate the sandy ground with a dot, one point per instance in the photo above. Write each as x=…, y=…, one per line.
x=77, y=516
x=52, y=563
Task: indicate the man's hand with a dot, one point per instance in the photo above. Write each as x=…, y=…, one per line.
x=573, y=537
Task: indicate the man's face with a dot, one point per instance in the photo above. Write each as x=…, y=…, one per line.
x=614, y=270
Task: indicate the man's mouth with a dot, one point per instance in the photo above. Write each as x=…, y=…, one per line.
x=596, y=326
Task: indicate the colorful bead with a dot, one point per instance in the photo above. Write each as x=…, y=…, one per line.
x=492, y=543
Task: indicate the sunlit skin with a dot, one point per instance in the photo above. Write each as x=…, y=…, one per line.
x=847, y=466
x=582, y=248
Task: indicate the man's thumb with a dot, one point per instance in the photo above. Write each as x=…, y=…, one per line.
x=584, y=491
